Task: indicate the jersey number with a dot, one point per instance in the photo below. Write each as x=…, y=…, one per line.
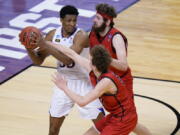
x=68, y=66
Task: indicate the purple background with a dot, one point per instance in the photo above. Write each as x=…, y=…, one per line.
x=10, y=9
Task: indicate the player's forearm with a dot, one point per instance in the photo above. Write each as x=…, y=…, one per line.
x=54, y=51
x=120, y=65
x=34, y=57
x=65, y=50
x=80, y=100
x=82, y=61
x=72, y=54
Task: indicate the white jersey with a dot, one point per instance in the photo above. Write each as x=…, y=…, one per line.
x=72, y=71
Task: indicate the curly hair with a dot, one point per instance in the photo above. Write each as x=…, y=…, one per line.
x=100, y=58
x=108, y=10
x=68, y=10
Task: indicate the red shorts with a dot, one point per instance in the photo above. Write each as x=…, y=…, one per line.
x=111, y=125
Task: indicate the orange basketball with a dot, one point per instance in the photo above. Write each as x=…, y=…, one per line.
x=26, y=34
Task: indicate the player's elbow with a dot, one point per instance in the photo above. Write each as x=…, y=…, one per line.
x=37, y=62
x=82, y=103
x=124, y=67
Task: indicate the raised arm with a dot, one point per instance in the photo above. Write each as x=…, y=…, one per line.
x=84, y=62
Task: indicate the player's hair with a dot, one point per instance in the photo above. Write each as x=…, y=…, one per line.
x=108, y=10
x=68, y=10
x=100, y=58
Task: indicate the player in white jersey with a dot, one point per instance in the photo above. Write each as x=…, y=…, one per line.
x=71, y=36
x=71, y=71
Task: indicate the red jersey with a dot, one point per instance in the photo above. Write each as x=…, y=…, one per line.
x=123, y=117
x=106, y=41
x=119, y=104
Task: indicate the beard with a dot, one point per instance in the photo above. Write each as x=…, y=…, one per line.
x=100, y=28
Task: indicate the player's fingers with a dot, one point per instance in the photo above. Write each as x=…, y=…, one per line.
x=53, y=78
x=59, y=76
x=20, y=39
x=34, y=37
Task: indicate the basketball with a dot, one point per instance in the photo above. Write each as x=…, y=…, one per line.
x=25, y=37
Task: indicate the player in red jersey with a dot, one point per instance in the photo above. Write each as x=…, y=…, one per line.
x=104, y=33
x=115, y=42
x=119, y=104
x=110, y=89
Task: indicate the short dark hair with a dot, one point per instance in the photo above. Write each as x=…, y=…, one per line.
x=108, y=10
x=100, y=58
x=68, y=10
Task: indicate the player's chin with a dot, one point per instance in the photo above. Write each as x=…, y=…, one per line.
x=95, y=28
x=95, y=25
x=70, y=29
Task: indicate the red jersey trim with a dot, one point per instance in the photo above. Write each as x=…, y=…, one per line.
x=115, y=80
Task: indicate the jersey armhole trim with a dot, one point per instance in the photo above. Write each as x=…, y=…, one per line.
x=115, y=85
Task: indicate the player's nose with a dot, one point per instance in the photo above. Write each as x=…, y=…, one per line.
x=73, y=24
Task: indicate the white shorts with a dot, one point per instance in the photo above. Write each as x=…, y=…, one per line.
x=61, y=104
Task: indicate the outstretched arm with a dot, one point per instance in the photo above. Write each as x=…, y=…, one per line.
x=105, y=85
x=57, y=50
x=84, y=62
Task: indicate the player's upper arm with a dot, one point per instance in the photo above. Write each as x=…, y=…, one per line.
x=120, y=48
x=50, y=34
x=103, y=86
x=119, y=45
x=80, y=41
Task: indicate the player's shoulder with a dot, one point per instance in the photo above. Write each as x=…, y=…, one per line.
x=82, y=38
x=81, y=34
x=50, y=34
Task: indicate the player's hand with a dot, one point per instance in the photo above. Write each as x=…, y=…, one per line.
x=60, y=81
x=29, y=37
x=37, y=40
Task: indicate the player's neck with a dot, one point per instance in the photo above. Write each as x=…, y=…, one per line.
x=106, y=30
x=65, y=34
x=97, y=73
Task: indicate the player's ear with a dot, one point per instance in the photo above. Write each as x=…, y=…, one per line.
x=61, y=20
x=108, y=22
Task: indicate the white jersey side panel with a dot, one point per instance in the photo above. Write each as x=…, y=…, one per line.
x=72, y=71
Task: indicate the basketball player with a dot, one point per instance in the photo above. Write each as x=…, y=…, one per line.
x=139, y=129
x=71, y=36
x=115, y=42
x=104, y=33
x=122, y=117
